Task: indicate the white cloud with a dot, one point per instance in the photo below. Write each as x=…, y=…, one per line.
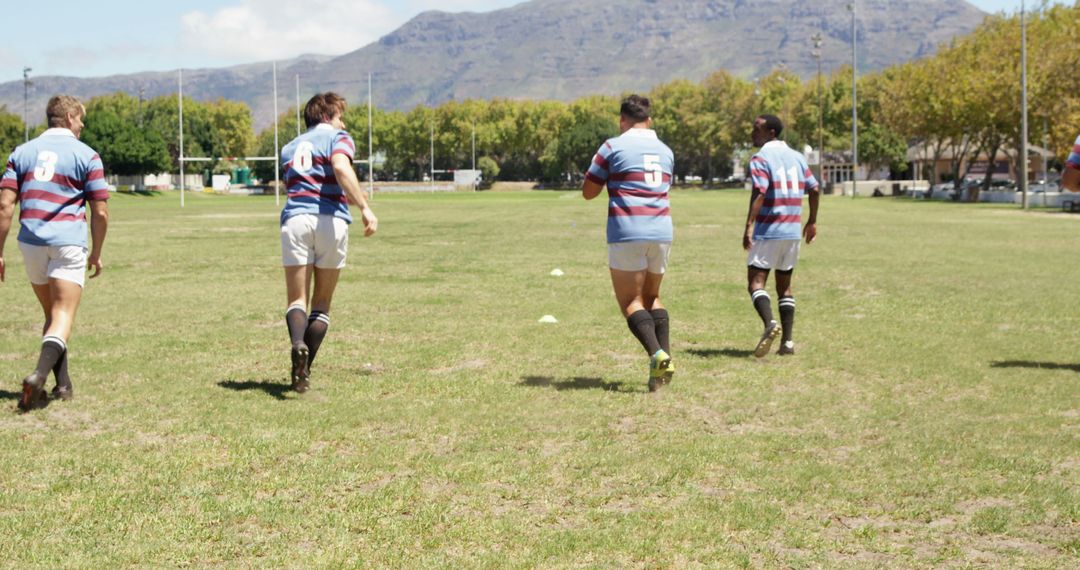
x=270, y=29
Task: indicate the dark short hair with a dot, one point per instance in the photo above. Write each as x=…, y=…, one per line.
x=322, y=107
x=636, y=108
x=773, y=123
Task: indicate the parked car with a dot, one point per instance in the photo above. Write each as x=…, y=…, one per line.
x=1002, y=185
x=1043, y=186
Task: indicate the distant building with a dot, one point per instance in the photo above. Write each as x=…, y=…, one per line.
x=921, y=158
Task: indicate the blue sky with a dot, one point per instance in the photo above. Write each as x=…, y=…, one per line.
x=126, y=36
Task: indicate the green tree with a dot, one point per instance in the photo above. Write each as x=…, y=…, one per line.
x=112, y=129
x=11, y=131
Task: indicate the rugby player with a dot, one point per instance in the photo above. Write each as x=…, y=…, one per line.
x=315, y=222
x=52, y=177
x=637, y=169
x=780, y=179
x=1070, y=179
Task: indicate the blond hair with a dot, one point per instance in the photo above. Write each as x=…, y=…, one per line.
x=60, y=106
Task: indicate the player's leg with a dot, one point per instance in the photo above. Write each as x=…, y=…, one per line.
x=657, y=256
x=629, y=286
x=319, y=322
x=331, y=248
x=784, y=270
x=63, y=389
x=63, y=303
x=297, y=279
x=787, y=310
x=297, y=257
x=757, y=276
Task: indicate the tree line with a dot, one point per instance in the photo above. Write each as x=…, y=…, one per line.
x=963, y=102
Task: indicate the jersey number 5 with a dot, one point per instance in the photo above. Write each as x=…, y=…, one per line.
x=46, y=166
x=302, y=158
x=789, y=181
x=654, y=172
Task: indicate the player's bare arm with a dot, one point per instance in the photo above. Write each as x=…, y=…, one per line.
x=755, y=207
x=99, y=225
x=590, y=189
x=1070, y=179
x=810, y=229
x=348, y=181
x=7, y=211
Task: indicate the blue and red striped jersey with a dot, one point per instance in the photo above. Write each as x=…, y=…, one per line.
x=637, y=168
x=1074, y=157
x=309, y=175
x=55, y=174
x=781, y=174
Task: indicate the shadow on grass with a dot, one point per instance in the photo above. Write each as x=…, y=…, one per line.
x=1030, y=364
x=274, y=388
x=41, y=404
x=143, y=193
x=577, y=383
x=6, y=395
x=725, y=352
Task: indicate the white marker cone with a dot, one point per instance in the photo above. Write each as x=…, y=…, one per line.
x=548, y=319
x=557, y=272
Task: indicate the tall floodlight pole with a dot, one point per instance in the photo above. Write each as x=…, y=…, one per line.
x=816, y=38
x=25, y=98
x=1023, y=109
x=297, y=104
x=854, y=101
x=180, y=106
x=277, y=150
x=370, y=147
x=474, y=146
x=433, y=156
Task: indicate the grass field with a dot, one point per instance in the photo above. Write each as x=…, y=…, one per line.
x=931, y=417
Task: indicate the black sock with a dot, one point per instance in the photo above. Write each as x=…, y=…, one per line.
x=60, y=370
x=296, y=319
x=52, y=348
x=763, y=304
x=787, y=316
x=644, y=328
x=660, y=318
x=318, y=323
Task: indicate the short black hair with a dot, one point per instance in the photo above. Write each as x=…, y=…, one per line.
x=773, y=123
x=636, y=108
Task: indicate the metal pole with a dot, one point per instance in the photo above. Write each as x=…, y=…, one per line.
x=297, y=104
x=180, y=102
x=821, y=109
x=474, y=146
x=25, y=98
x=433, y=156
x=370, y=147
x=277, y=149
x=1023, y=109
x=854, y=102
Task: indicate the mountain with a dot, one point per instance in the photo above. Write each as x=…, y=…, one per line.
x=563, y=49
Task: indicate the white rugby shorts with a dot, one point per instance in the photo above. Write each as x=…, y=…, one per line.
x=639, y=255
x=319, y=240
x=43, y=262
x=778, y=254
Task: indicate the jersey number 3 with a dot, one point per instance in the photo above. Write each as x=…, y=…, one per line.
x=302, y=159
x=46, y=166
